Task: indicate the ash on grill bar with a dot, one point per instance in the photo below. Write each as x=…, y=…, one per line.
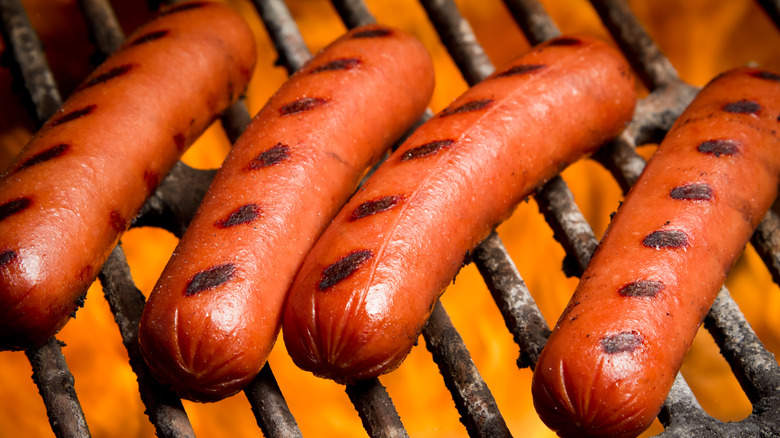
x=274, y=404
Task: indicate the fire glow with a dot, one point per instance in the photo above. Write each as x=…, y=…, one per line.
x=701, y=38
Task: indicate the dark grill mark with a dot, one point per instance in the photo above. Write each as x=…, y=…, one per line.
x=426, y=149
x=518, y=70
x=569, y=308
x=180, y=141
x=337, y=64
x=242, y=215
x=118, y=223
x=375, y=206
x=301, y=105
x=48, y=154
x=343, y=268
x=372, y=33
x=274, y=155
x=7, y=257
x=231, y=90
x=185, y=7
x=210, y=278
x=14, y=206
x=468, y=258
x=149, y=37
x=719, y=147
x=151, y=179
x=666, y=239
x=642, y=288
x=742, y=107
x=474, y=105
x=564, y=41
x=107, y=76
x=73, y=115
x=85, y=275
x=762, y=74
x=701, y=192
x=624, y=342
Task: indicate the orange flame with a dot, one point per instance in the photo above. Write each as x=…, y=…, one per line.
x=701, y=38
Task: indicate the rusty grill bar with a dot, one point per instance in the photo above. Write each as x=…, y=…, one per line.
x=175, y=201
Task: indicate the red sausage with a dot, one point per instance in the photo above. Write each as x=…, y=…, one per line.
x=214, y=315
x=618, y=346
x=367, y=288
x=77, y=185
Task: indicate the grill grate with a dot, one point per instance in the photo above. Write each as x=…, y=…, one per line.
x=175, y=201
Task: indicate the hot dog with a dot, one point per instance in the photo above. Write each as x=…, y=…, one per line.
x=76, y=186
x=368, y=286
x=616, y=349
x=215, y=313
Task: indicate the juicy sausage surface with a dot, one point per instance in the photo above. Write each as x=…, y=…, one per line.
x=214, y=315
x=77, y=185
x=614, y=353
x=367, y=288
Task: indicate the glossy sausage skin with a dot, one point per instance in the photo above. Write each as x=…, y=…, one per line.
x=614, y=353
x=215, y=313
x=367, y=288
x=77, y=185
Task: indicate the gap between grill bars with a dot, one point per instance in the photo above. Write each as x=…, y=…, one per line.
x=173, y=204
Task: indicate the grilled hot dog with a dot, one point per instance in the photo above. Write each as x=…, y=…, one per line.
x=76, y=186
x=364, y=292
x=618, y=346
x=215, y=313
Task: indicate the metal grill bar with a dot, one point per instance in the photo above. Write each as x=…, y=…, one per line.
x=755, y=367
x=55, y=384
x=473, y=399
x=103, y=26
x=376, y=410
x=30, y=63
x=521, y=315
x=656, y=113
x=766, y=241
x=651, y=65
x=163, y=407
x=772, y=8
x=269, y=406
x=284, y=33
x=353, y=13
x=533, y=19
x=681, y=412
